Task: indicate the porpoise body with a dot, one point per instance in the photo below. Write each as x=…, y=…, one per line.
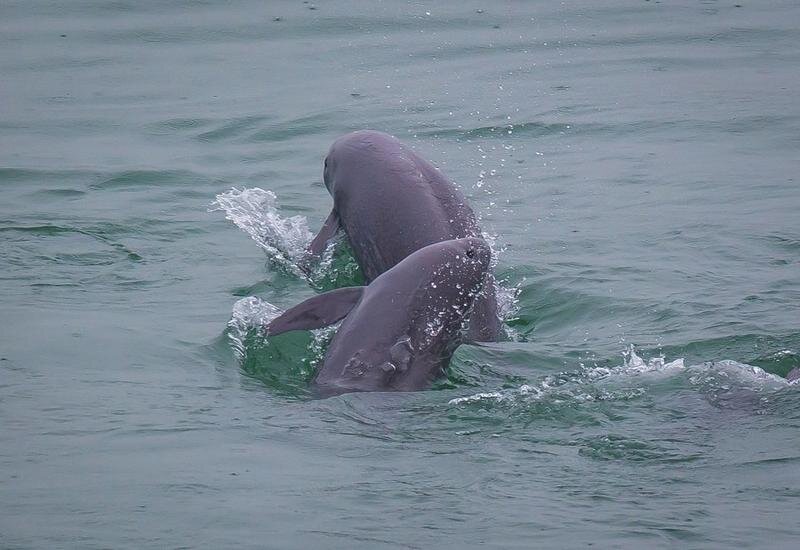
x=399, y=332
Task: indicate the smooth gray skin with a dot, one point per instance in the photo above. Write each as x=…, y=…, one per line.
x=399, y=332
x=391, y=202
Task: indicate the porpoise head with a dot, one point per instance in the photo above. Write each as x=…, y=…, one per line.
x=348, y=150
x=403, y=334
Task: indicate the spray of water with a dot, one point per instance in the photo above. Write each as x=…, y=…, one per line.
x=254, y=211
x=248, y=314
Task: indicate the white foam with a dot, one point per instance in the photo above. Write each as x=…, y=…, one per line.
x=633, y=365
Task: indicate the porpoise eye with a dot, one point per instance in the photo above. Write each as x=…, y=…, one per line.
x=326, y=163
x=471, y=253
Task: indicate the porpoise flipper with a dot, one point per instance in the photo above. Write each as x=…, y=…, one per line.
x=326, y=233
x=317, y=312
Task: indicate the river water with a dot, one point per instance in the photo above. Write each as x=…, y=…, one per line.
x=635, y=163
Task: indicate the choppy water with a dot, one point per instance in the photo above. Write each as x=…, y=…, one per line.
x=637, y=162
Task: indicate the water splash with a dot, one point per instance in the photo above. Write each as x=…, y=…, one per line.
x=583, y=385
x=248, y=317
x=319, y=344
x=633, y=365
x=715, y=377
x=248, y=314
x=632, y=379
x=337, y=267
x=285, y=240
x=254, y=211
x=507, y=298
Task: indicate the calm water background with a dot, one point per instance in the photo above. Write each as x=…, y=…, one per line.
x=637, y=161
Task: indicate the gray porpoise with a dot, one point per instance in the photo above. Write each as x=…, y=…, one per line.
x=399, y=332
x=390, y=202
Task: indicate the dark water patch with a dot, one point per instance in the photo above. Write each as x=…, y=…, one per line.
x=614, y=447
x=548, y=307
x=253, y=289
x=693, y=61
x=81, y=7
x=136, y=226
x=342, y=270
x=59, y=194
x=571, y=110
x=504, y=131
x=36, y=176
x=785, y=123
x=191, y=488
x=778, y=362
x=501, y=45
x=64, y=63
x=211, y=28
x=179, y=34
x=285, y=364
x=769, y=462
x=673, y=63
x=134, y=179
x=735, y=36
x=679, y=129
x=178, y=125
x=233, y=128
x=784, y=241
x=91, y=258
x=290, y=129
x=479, y=366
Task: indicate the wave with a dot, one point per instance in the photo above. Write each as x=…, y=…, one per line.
x=632, y=379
